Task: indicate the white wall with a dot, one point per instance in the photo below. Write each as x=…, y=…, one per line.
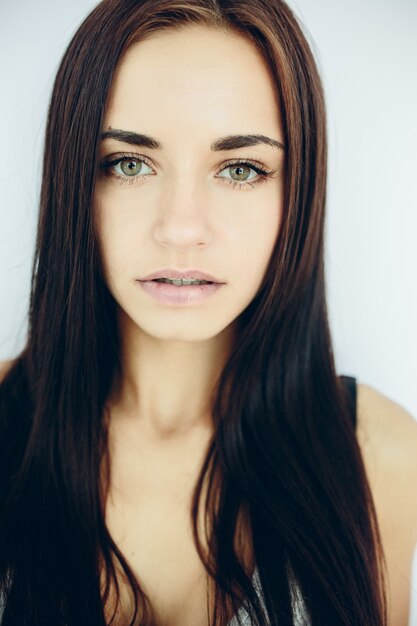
x=367, y=52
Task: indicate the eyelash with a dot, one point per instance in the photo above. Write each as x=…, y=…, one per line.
x=263, y=173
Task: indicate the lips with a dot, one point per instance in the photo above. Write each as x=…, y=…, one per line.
x=177, y=274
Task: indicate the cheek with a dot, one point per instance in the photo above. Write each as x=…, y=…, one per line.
x=255, y=240
x=116, y=239
x=119, y=219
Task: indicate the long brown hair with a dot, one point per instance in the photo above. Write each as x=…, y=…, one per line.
x=283, y=448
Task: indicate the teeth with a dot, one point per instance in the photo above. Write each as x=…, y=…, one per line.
x=179, y=282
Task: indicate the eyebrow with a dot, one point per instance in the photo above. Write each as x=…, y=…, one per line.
x=230, y=142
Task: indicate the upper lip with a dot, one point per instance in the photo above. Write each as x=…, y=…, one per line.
x=177, y=274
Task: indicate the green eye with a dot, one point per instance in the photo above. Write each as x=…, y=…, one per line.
x=127, y=167
x=242, y=172
x=130, y=167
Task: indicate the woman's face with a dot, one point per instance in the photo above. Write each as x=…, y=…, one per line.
x=187, y=203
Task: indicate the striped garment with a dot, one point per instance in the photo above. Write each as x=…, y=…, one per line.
x=300, y=614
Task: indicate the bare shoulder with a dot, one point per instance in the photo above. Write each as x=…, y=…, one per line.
x=386, y=432
x=387, y=436
x=4, y=368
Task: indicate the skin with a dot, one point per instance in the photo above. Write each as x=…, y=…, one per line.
x=184, y=216
x=387, y=437
x=185, y=212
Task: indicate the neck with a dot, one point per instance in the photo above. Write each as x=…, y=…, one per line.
x=164, y=387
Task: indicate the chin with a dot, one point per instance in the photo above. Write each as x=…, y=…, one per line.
x=189, y=333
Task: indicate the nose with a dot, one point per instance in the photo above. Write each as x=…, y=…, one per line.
x=183, y=218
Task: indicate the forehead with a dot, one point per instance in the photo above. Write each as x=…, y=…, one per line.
x=194, y=79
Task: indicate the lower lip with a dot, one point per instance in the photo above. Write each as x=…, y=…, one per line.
x=176, y=295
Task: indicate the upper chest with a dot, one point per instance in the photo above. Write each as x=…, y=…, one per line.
x=156, y=539
x=148, y=513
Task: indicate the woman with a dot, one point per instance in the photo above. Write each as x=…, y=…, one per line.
x=185, y=454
